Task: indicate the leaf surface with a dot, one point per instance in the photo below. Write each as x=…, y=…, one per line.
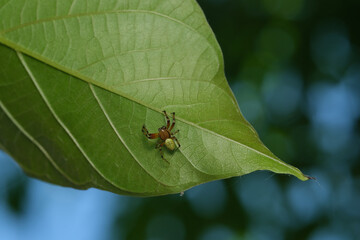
x=80, y=78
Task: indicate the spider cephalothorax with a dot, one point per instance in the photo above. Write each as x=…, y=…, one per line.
x=165, y=135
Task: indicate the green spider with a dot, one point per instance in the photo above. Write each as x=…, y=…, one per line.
x=166, y=136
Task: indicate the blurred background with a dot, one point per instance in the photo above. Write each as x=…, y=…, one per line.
x=294, y=67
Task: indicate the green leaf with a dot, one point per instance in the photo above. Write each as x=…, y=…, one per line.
x=79, y=79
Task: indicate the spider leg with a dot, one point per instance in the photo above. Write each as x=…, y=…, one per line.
x=173, y=123
x=167, y=120
x=177, y=141
x=159, y=146
x=175, y=132
x=149, y=135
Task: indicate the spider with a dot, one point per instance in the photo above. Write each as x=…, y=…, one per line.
x=166, y=136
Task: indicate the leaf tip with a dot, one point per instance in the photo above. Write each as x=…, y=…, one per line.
x=307, y=177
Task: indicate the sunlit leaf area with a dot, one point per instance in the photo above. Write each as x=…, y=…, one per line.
x=294, y=68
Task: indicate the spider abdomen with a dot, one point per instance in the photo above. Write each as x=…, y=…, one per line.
x=170, y=144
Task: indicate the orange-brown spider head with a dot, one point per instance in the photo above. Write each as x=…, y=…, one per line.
x=164, y=133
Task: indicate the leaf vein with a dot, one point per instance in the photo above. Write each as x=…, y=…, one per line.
x=32, y=77
x=119, y=136
x=36, y=143
x=102, y=13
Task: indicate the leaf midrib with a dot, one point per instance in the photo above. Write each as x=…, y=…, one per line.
x=90, y=80
x=74, y=139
